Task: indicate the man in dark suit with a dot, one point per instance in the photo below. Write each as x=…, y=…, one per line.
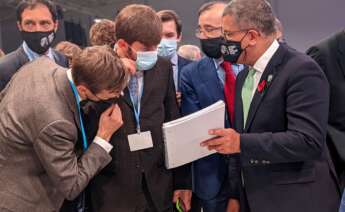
x=40, y=121
x=281, y=119
x=37, y=22
x=202, y=84
x=330, y=55
x=137, y=180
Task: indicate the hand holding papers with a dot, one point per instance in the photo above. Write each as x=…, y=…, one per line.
x=182, y=137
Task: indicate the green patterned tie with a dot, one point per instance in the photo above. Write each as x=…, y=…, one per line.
x=247, y=91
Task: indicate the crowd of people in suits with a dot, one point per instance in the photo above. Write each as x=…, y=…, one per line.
x=81, y=128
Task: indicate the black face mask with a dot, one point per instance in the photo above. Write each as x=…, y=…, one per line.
x=232, y=50
x=38, y=42
x=211, y=47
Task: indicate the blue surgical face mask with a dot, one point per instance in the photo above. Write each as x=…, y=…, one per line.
x=146, y=60
x=167, y=48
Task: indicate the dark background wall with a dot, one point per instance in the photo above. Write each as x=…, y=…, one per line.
x=305, y=21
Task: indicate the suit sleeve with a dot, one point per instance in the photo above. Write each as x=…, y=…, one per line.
x=190, y=102
x=307, y=101
x=181, y=175
x=55, y=148
x=316, y=54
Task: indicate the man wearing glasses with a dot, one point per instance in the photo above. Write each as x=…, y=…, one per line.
x=202, y=84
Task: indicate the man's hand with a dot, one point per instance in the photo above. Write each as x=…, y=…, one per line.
x=130, y=65
x=233, y=206
x=110, y=121
x=226, y=142
x=185, y=197
x=178, y=97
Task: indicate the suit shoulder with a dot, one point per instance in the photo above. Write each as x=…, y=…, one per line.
x=61, y=59
x=9, y=62
x=195, y=66
x=300, y=64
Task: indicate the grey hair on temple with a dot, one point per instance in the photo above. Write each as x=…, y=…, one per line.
x=252, y=14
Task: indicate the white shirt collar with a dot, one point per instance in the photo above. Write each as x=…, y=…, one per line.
x=263, y=61
x=33, y=55
x=174, y=59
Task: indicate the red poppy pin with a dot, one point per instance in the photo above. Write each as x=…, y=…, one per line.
x=263, y=85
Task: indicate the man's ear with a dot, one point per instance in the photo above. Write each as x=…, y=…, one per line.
x=19, y=26
x=179, y=38
x=56, y=25
x=253, y=37
x=82, y=91
x=121, y=43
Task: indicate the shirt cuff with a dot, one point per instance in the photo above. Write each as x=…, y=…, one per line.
x=103, y=143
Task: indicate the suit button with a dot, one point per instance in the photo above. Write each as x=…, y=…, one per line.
x=256, y=161
x=268, y=162
x=137, y=166
x=263, y=162
x=251, y=161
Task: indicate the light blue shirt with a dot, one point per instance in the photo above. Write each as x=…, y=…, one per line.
x=33, y=55
x=174, y=62
x=236, y=68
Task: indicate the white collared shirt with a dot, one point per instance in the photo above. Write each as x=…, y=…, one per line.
x=262, y=63
x=33, y=55
x=98, y=140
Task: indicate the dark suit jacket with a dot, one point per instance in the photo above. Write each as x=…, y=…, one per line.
x=119, y=186
x=12, y=62
x=285, y=162
x=330, y=55
x=181, y=62
x=39, y=124
x=201, y=87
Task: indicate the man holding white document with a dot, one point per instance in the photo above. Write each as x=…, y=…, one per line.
x=202, y=84
x=281, y=118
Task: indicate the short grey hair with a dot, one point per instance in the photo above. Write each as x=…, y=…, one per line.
x=252, y=14
x=190, y=52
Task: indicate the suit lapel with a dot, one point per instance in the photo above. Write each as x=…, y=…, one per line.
x=149, y=84
x=208, y=76
x=127, y=98
x=271, y=69
x=341, y=49
x=22, y=57
x=65, y=89
x=238, y=100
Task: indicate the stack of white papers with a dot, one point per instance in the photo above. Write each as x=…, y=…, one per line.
x=182, y=137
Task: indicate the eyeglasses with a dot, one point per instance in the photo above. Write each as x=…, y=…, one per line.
x=208, y=31
x=227, y=34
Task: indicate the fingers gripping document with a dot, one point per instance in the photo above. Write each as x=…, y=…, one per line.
x=182, y=137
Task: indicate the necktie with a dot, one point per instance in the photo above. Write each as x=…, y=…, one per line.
x=229, y=89
x=247, y=91
x=133, y=87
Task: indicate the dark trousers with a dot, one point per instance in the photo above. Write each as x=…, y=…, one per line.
x=145, y=202
x=218, y=203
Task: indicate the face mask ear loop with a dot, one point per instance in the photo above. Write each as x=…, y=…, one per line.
x=244, y=49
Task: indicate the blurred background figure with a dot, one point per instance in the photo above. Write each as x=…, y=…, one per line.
x=190, y=52
x=2, y=53
x=37, y=23
x=70, y=50
x=102, y=32
x=279, y=31
x=330, y=55
x=172, y=36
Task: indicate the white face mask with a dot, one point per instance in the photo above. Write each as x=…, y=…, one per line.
x=167, y=48
x=146, y=60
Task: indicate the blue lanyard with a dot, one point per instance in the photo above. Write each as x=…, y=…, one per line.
x=76, y=95
x=137, y=109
